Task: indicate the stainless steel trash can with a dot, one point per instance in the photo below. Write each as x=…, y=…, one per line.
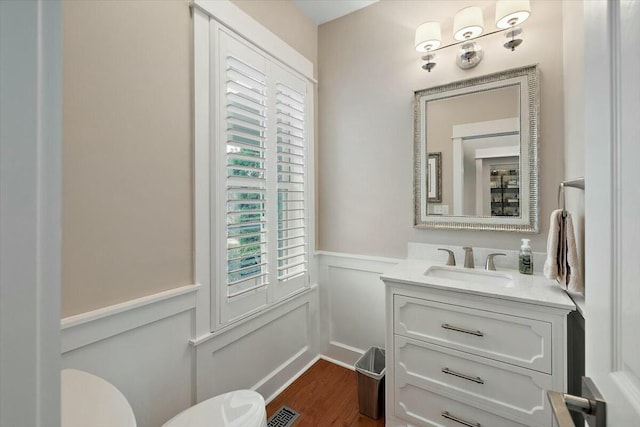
x=370, y=378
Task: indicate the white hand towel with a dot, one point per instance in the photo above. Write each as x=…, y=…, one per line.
x=553, y=263
x=562, y=263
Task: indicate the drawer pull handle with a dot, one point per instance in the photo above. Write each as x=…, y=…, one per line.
x=465, y=331
x=448, y=416
x=463, y=376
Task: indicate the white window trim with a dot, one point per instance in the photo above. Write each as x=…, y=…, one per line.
x=229, y=15
x=232, y=17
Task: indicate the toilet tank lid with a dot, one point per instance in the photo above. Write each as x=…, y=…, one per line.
x=241, y=408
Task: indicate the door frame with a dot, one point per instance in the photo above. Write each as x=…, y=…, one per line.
x=30, y=211
x=603, y=235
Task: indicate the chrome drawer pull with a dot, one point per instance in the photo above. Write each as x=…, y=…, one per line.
x=463, y=376
x=448, y=416
x=465, y=331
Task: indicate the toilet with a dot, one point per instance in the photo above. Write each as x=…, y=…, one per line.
x=88, y=400
x=241, y=408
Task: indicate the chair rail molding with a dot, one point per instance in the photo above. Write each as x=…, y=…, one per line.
x=87, y=328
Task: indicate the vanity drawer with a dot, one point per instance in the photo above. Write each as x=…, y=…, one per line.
x=425, y=408
x=511, y=339
x=495, y=386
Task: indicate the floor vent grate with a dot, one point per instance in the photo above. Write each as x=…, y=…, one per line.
x=284, y=417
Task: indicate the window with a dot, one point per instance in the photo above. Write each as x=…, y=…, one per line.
x=260, y=168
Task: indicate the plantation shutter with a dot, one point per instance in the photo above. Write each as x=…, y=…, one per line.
x=261, y=174
x=291, y=147
x=243, y=129
x=246, y=178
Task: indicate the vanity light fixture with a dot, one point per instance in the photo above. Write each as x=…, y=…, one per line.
x=468, y=25
x=510, y=13
x=428, y=38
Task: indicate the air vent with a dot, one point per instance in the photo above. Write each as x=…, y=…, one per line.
x=284, y=417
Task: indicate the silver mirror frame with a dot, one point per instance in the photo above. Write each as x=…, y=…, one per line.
x=467, y=222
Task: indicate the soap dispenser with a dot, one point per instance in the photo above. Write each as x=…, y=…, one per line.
x=526, y=258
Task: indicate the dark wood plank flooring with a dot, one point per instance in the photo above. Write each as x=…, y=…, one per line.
x=325, y=395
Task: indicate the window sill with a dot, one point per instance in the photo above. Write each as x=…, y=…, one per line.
x=230, y=327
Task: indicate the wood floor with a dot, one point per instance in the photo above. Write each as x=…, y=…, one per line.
x=325, y=395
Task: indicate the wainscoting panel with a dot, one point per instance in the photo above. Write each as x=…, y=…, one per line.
x=148, y=349
x=352, y=304
x=151, y=365
x=264, y=355
x=87, y=328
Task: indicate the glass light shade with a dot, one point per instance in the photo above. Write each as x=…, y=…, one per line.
x=511, y=12
x=469, y=55
x=428, y=36
x=468, y=23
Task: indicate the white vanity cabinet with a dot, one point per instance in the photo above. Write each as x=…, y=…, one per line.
x=459, y=356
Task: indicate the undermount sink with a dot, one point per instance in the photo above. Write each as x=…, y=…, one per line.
x=482, y=277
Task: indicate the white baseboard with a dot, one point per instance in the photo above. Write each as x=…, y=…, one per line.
x=93, y=326
x=337, y=362
x=291, y=380
x=297, y=375
x=342, y=354
x=304, y=369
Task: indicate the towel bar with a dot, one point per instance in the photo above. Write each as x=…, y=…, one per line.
x=575, y=183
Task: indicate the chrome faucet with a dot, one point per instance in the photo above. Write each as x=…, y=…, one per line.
x=451, y=260
x=468, y=257
x=489, y=265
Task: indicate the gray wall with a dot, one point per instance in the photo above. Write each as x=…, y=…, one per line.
x=368, y=71
x=574, y=143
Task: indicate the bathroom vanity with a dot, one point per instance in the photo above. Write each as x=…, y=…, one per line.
x=469, y=347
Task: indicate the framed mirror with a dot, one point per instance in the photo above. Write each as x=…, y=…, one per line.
x=476, y=153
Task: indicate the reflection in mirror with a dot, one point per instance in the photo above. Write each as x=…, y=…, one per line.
x=484, y=132
x=434, y=178
x=472, y=139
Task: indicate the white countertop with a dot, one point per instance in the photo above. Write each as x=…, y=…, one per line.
x=578, y=300
x=531, y=289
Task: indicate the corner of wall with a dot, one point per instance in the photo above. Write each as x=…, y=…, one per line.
x=574, y=120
